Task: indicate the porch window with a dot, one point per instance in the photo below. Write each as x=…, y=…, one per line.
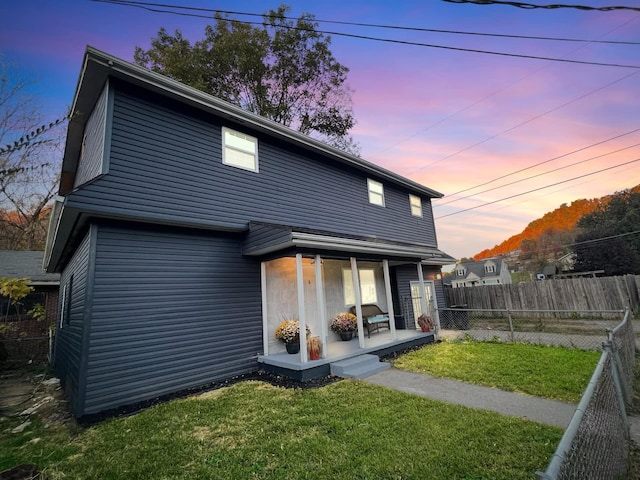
x=367, y=286
x=416, y=206
x=239, y=150
x=376, y=192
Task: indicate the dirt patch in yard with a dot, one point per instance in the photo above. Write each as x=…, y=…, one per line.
x=26, y=394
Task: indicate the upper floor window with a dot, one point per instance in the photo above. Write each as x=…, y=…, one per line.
x=239, y=150
x=460, y=272
x=416, y=205
x=376, y=192
x=490, y=268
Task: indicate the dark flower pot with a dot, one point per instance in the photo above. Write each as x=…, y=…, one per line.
x=293, y=347
x=346, y=336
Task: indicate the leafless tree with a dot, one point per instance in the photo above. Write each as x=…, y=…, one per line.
x=30, y=156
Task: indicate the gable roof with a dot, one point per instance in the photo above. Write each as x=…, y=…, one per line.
x=477, y=268
x=98, y=66
x=19, y=264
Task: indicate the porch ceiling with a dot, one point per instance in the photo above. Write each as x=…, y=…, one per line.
x=264, y=239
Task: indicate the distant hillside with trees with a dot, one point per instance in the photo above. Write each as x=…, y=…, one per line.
x=548, y=236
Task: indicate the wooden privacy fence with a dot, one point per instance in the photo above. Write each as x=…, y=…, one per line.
x=579, y=294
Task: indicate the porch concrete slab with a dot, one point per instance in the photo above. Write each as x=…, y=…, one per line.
x=549, y=412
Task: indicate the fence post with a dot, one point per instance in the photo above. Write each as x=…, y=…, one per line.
x=619, y=385
x=510, y=325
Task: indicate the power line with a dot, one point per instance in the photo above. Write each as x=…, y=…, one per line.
x=369, y=25
x=387, y=40
x=536, y=189
x=530, y=6
x=536, y=117
x=543, y=162
x=537, y=175
x=494, y=93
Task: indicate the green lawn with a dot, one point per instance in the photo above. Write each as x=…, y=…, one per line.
x=253, y=430
x=550, y=372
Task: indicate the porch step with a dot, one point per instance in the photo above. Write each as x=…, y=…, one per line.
x=358, y=367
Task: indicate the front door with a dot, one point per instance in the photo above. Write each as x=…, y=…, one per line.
x=430, y=289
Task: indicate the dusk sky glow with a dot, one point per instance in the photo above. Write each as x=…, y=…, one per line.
x=447, y=119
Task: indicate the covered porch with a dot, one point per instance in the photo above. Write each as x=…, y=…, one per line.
x=312, y=277
x=382, y=344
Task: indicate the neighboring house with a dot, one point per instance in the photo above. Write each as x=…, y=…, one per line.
x=492, y=271
x=566, y=262
x=187, y=229
x=27, y=340
x=23, y=264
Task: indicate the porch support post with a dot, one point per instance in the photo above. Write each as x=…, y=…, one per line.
x=322, y=310
x=423, y=291
x=301, y=310
x=265, y=322
x=387, y=288
x=358, y=300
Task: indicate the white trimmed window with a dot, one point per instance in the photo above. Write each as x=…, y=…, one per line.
x=239, y=150
x=376, y=192
x=367, y=286
x=416, y=206
x=490, y=268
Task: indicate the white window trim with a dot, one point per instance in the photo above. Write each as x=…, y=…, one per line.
x=415, y=203
x=254, y=140
x=372, y=185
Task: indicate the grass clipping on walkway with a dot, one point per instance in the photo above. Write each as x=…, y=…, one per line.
x=344, y=430
x=557, y=373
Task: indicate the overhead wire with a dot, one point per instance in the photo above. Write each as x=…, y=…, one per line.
x=387, y=40
x=536, y=189
x=531, y=6
x=494, y=93
x=529, y=120
x=542, y=163
x=149, y=7
x=537, y=175
x=368, y=25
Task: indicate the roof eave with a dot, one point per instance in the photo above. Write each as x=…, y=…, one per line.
x=98, y=66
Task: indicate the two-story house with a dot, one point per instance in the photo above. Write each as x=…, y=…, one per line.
x=493, y=271
x=187, y=229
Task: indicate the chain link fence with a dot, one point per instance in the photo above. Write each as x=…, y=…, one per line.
x=596, y=443
x=25, y=341
x=578, y=329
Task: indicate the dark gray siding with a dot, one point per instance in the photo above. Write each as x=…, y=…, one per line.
x=70, y=348
x=90, y=165
x=165, y=165
x=405, y=274
x=171, y=310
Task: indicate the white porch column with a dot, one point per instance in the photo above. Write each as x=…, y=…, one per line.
x=265, y=321
x=423, y=291
x=387, y=287
x=321, y=306
x=358, y=300
x=301, y=310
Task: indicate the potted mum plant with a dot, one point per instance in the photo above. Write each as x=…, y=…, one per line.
x=288, y=332
x=344, y=324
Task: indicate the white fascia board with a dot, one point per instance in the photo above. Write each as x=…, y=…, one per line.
x=165, y=85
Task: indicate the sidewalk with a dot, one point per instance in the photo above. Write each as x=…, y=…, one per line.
x=541, y=410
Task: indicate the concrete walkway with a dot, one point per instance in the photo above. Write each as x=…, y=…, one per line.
x=550, y=412
x=541, y=410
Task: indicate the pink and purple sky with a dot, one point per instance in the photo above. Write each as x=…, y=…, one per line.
x=448, y=119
